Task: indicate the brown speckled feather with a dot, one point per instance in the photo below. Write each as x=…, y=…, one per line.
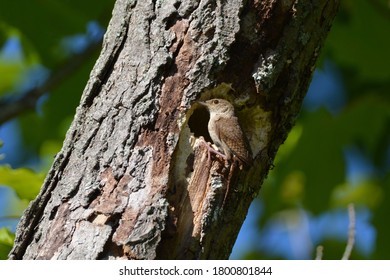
x=229, y=131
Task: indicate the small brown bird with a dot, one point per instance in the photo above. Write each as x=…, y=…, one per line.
x=225, y=131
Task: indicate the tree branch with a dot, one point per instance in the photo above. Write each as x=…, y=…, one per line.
x=10, y=217
x=319, y=252
x=351, y=232
x=14, y=106
x=351, y=236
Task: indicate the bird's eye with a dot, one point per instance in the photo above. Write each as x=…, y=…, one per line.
x=215, y=101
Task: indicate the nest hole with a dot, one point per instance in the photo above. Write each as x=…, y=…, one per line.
x=198, y=122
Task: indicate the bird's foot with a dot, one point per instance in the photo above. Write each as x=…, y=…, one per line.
x=210, y=149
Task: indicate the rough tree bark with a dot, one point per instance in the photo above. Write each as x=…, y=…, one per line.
x=132, y=180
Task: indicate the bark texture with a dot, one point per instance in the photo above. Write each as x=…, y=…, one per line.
x=132, y=180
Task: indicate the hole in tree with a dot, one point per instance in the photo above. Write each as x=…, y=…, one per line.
x=198, y=123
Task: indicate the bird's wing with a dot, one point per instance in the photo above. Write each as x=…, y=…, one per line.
x=230, y=131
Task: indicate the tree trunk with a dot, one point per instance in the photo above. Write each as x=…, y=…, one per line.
x=132, y=180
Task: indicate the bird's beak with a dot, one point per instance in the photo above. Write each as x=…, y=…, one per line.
x=202, y=103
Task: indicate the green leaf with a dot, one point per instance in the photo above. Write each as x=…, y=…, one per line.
x=12, y=69
x=366, y=193
x=6, y=242
x=310, y=166
x=359, y=39
x=10, y=73
x=25, y=182
x=365, y=122
x=382, y=226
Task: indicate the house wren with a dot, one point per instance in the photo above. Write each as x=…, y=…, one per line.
x=225, y=131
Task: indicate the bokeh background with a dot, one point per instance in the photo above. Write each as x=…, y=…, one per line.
x=338, y=153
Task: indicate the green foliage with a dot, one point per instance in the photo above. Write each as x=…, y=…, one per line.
x=50, y=22
x=310, y=168
x=9, y=73
x=380, y=221
x=13, y=68
x=6, y=242
x=359, y=39
x=41, y=42
x=25, y=182
x=39, y=27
